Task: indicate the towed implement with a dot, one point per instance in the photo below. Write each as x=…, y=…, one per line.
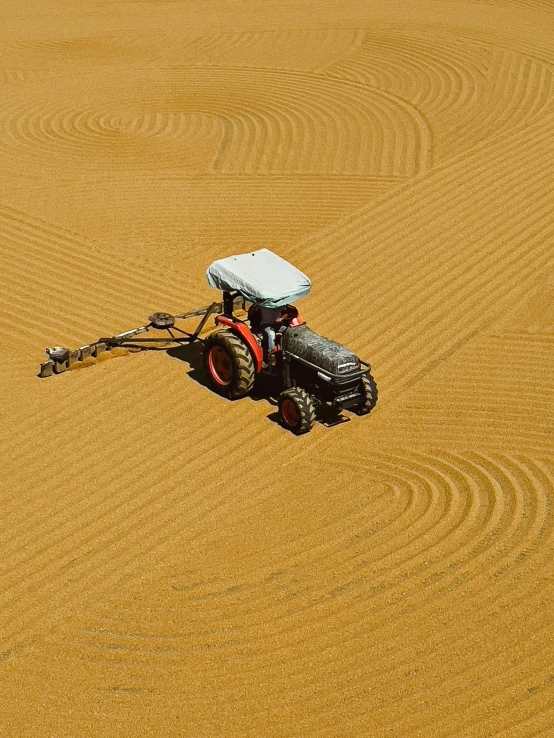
x=306, y=373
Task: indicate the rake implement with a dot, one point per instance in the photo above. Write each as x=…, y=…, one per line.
x=59, y=358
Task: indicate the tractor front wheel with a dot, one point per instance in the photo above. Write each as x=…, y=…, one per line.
x=369, y=390
x=228, y=364
x=296, y=410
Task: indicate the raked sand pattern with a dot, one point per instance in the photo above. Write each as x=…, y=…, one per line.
x=173, y=564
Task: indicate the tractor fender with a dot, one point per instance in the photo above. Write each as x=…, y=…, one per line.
x=247, y=336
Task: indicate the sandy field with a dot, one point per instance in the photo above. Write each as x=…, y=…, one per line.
x=173, y=564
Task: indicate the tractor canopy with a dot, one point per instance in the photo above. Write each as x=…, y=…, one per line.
x=261, y=277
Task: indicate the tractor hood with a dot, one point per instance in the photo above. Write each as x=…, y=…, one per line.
x=319, y=351
x=261, y=277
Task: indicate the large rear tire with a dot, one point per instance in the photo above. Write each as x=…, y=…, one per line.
x=369, y=389
x=296, y=410
x=228, y=364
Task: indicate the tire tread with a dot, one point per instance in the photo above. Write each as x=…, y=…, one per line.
x=305, y=406
x=243, y=379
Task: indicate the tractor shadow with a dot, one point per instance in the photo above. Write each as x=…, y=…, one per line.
x=191, y=354
x=266, y=389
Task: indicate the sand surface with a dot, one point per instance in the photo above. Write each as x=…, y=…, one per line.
x=173, y=564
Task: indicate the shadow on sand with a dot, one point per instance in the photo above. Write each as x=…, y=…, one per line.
x=266, y=389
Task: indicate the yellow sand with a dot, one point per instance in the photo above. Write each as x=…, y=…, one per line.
x=173, y=564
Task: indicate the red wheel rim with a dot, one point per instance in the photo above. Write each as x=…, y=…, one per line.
x=290, y=413
x=220, y=366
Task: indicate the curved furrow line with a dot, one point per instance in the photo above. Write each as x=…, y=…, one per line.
x=490, y=535
x=449, y=87
x=419, y=141
x=238, y=131
x=485, y=543
x=380, y=618
x=429, y=77
x=529, y=516
x=267, y=132
x=495, y=74
x=83, y=132
x=347, y=112
x=419, y=145
x=296, y=84
x=534, y=509
x=452, y=482
x=387, y=533
x=522, y=88
x=369, y=68
x=89, y=131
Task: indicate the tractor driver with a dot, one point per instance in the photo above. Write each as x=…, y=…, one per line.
x=273, y=320
x=270, y=322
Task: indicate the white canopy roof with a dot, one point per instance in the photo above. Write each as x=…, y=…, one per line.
x=261, y=277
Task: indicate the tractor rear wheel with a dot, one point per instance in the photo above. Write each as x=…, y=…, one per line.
x=296, y=410
x=369, y=389
x=228, y=364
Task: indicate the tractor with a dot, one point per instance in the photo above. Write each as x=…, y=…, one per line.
x=259, y=335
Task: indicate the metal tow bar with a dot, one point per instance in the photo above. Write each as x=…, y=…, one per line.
x=59, y=358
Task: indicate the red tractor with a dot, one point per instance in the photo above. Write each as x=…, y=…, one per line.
x=270, y=341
